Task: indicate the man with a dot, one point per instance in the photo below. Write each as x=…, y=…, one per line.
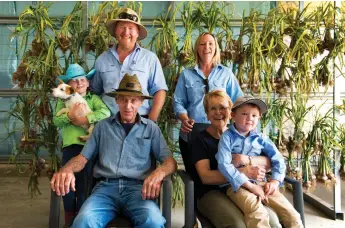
x=128, y=57
x=123, y=144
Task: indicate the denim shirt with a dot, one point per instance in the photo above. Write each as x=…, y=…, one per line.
x=190, y=91
x=109, y=73
x=232, y=142
x=125, y=156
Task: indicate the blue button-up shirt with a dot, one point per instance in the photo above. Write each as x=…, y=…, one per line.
x=190, y=91
x=125, y=156
x=110, y=71
x=252, y=145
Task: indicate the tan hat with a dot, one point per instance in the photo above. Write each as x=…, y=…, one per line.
x=128, y=15
x=250, y=100
x=129, y=86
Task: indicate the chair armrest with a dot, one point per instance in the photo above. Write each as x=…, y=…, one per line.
x=167, y=194
x=297, y=193
x=189, y=214
x=54, y=213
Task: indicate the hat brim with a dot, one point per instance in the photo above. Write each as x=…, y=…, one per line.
x=262, y=105
x=66, y=78
x=136, y=94
x=111, y=27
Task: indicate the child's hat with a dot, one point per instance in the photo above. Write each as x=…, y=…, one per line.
x=74, y=71
x=250, y=100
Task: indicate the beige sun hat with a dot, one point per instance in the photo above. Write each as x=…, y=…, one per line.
x=129, y=86
x=250, y=100
x=127, y=15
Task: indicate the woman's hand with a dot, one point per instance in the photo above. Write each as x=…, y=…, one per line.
x=187, y=125
x=254, y=172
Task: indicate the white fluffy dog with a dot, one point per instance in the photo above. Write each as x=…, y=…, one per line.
x=71, y=97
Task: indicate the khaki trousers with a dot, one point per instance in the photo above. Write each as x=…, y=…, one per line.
x=256, y=215
x=223, y=213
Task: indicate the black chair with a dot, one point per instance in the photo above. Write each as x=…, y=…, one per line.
x=119, y=221
x=191, y=210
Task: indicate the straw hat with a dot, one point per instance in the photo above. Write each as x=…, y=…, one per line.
x=127, y=15
x=74, y=71
x=129, y=86
x=250, y=100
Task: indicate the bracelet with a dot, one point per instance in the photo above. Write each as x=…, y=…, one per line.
x=250, y=160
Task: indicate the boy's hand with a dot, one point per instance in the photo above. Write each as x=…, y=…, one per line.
x=271, y=187
x=257, y=190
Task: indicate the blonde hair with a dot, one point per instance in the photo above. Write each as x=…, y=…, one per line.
x=216, y=57
x=216, y=93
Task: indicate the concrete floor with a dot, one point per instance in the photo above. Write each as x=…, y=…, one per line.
x=19, y=210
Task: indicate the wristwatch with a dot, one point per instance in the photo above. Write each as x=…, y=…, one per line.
x=250, y=159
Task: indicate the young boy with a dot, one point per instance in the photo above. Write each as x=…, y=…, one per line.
x=248, y=195
x=70, y=124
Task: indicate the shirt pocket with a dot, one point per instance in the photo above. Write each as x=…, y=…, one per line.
x=256, y=148
x=143, y=148
x=218, y=84
x=195, y=91
x=111, y=78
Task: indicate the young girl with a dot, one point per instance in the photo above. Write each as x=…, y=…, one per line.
x=70, y=125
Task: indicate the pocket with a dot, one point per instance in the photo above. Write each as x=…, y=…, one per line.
x=256, y=148
x=218, y=84
x=110, y=77
x=142, y=151
x=195, y=91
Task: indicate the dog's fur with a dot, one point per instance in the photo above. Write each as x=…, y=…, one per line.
x=71, y=97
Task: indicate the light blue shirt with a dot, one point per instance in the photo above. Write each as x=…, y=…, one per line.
x=232, y=142
x=190, y=91
x=125, y=156
x=109, y=72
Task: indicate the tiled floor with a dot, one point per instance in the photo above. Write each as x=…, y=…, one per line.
x=19, y=210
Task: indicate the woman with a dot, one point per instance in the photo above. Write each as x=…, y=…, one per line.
x=211, y=199
x=194, y=83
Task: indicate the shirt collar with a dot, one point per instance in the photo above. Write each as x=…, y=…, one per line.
x=234, y=130
x=113, y=51
x=88, y=95
x=197, y=69
x=138, y=118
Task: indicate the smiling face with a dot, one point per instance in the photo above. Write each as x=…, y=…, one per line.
x=79, y=84
x=218, y=112
x=126, y=33
x=246, y=118
x=128, y=107
x=206, y=48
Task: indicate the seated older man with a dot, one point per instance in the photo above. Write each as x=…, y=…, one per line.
x=123, y=144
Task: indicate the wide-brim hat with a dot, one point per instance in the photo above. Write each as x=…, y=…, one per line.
x=250, y=100
x=127, y=15
x=129, y=86
x=75, y=71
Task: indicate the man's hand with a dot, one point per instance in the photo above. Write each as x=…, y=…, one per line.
x=62, y=181
x=152, y=185
x=239, y=160
x=271, y=187
x=255, y=172
x=257, y=190
x=187, y=125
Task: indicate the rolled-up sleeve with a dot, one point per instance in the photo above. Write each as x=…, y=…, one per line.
x=159, y=147
x=224, y=158
x=157, y=80
x=277, y=160
x=180, y=96
x=91, y=148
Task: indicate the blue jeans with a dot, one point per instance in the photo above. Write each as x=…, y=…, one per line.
x=73, y=201
x=115, y=196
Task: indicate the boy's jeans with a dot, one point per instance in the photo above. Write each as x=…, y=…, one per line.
x=112, y=197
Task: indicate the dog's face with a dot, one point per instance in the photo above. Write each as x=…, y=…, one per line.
x=63, y=91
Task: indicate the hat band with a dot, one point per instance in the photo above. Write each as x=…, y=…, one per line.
x=128, y=16
x=128, y=90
